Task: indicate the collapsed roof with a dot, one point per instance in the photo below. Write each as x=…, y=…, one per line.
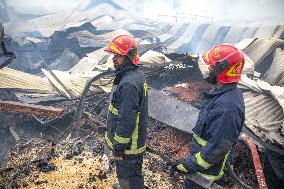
x=62, y=51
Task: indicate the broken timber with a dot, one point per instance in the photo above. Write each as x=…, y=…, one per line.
x=11, y=106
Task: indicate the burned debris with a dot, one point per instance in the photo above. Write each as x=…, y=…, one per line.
x=8, y=56
x=54, y=99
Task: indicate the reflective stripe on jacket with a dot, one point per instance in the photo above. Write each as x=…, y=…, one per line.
x=126, y=122
x=217, y=130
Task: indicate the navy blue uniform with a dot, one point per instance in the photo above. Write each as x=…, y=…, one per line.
x=216, y=132
x=126, y=125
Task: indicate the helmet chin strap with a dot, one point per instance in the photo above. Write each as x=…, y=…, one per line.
x=216, y=70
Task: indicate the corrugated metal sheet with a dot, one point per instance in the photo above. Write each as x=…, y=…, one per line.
x=104, y=16
x=70, y=85
x=206, y=41
x=161, y=26
x=185, y=38
x=261, y=111
x=264, y=106
x=182, y=29
x=213, y=35
x=244, y=43
x=88, y=63
x=275, y=74
x=94, y=59
x=234, y=35
x=248, y=32
x=191, y=45
x=84, y=37
x=47, y=24
x=220, y=36
x=87, y=39
x=266, y=31
x=279, y=32
x=106, y=9
x=13, y=79
x=164, y=37
x=138, y=26
x=171, y=40
x=144, y=34
x=105, y=22
x=198, y=38
x=66, y=61
x=261, y=48
x=178, y=29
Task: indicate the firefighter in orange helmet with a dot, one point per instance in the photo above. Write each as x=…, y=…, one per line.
x=221, y=117
x=128, y=110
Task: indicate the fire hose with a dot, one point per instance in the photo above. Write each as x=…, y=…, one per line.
x=256, y=161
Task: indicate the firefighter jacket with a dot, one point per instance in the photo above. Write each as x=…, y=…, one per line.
x=216, y=132
x=127, y=113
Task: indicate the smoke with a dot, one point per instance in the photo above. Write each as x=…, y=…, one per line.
x=218, y=10
x=42, y=6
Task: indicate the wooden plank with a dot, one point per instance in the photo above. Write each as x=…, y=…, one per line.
x=11, y=106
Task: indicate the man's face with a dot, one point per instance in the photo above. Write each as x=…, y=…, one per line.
x=118, y=60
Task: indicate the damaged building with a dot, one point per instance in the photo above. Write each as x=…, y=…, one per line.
x=55, y=87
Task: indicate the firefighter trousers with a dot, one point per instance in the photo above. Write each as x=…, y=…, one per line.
x=129, y=172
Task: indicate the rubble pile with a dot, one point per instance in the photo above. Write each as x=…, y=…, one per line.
x=173, y=143
x=72, y=163
x=66, y=162
x=191, y=91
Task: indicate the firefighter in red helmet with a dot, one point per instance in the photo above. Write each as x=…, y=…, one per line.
x=221, y=117
x=128, y=110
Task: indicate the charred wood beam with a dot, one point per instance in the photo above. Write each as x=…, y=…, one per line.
x=10, y=106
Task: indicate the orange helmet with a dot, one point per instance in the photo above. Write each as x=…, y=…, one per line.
x=227, y=63
x=126, y=46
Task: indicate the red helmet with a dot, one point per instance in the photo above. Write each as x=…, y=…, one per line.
x=233, y=58
x=126, y=46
